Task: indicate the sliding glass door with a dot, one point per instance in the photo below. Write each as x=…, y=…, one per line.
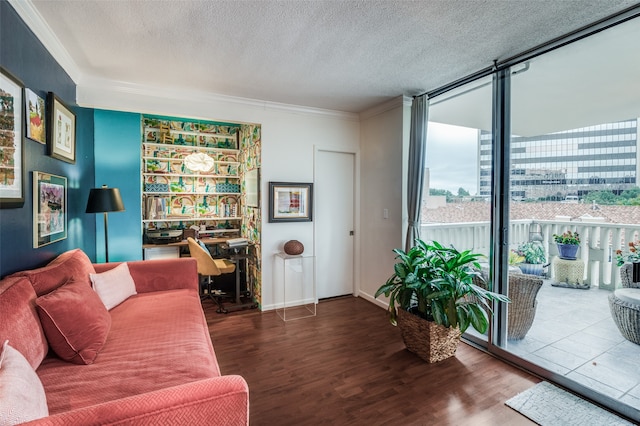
x=548, y=147
x=573, y=169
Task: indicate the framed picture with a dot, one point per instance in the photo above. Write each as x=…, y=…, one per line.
x=35, y=116
x=252, y=187
x=49, y=208
x=61, y=139
x=11, y=141
x=290, y=202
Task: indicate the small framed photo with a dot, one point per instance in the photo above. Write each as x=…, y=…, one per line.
x=49, y=208
x=11, y=141
x=61, y=139
x=290, y=202
x=36, y=117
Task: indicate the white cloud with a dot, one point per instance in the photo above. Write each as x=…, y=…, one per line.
x=452, y=157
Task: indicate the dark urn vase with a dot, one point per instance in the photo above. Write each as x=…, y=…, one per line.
x=568, y=251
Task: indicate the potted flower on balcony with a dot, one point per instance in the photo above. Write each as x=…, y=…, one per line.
x=629, y=263
x=568, y=243
x=534, y=257
x=433, y=300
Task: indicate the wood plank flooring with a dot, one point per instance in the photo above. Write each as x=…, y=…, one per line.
x=348, y=365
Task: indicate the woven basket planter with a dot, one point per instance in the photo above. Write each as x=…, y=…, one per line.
x=430, y=341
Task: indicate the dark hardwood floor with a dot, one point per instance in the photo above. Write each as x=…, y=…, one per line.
x=348, y=365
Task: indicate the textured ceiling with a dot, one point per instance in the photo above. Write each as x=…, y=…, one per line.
x=341, y=55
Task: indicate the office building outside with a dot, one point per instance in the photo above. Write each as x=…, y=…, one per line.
x=565, y=166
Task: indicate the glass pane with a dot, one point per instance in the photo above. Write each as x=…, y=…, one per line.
x=456, y=208
x=573, y=173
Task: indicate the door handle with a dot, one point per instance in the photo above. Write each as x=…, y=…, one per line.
x=351, y=233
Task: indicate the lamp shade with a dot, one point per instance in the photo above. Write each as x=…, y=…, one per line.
x=104, y=200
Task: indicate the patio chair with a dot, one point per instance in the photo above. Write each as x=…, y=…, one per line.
x=625, y=305
x=523, y=290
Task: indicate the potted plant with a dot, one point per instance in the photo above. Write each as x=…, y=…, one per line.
x=534, y=257
x=629, y=262
x=433, y=300
x=568, y=243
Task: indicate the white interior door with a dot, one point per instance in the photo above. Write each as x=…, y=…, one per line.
x=334, y=222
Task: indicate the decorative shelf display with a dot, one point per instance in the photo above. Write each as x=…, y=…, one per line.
x=190, y=175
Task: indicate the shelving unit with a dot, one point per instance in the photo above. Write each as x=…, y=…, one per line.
x=176, y=197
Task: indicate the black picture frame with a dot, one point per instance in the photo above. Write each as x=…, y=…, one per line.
x=61, y=130
x=12, y=134
x=290, y=202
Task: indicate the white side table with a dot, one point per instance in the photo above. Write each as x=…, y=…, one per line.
x=294, y=286
x=568, y=272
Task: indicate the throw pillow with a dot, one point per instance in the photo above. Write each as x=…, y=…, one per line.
x=72, y=263
x=75, y=321
x=114, y=286
x=22, y=396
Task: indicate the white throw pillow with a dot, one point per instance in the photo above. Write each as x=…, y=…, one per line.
x=114, y=286
x=22, y=396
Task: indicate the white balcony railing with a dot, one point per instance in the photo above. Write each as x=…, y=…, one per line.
x=599, y=241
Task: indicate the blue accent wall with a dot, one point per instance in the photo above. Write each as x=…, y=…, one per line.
x=22, y=54
x=118, y=147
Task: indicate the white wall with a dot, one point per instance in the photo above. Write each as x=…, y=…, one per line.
x=383, y=153
x=289, y=134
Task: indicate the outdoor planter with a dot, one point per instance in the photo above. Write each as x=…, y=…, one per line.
x=531, y=268
x=568, y=251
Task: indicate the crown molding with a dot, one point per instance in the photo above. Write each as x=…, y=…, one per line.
x=100, y=93
x=36, y=23
x=386, y=106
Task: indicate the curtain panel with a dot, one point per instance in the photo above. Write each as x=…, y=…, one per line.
x=417, y=154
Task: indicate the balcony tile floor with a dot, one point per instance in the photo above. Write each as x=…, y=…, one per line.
x=574, y=335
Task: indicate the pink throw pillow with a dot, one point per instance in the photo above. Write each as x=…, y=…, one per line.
x=75, y=321
x=73, y=263
x=22, y=396
x=114, y=286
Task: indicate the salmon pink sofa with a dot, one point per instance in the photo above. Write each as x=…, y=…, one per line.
x=146, y=360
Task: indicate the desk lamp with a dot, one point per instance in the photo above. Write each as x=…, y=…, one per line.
x=103, y=200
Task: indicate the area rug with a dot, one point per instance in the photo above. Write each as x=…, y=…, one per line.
x=548, y=405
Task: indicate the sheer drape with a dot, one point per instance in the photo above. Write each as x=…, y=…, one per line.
x=417, y=150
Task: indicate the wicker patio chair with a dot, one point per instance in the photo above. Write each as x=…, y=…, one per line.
x=523, y=290
x=625, y=305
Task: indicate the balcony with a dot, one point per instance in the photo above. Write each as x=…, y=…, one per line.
x=573, y=334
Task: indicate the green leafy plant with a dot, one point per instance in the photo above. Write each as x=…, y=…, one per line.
x=436, y=283
x=532, y=251
x=568, y=237
x=632, y=254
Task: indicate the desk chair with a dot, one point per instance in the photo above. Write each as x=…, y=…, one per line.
x=209, y=267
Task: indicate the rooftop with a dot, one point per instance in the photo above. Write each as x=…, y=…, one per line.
x=479, y=211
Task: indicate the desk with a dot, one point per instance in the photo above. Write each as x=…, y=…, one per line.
x=236, y=258
x=172, y=250
x=183, y=243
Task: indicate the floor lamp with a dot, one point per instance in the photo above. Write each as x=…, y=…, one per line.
x=103, y=200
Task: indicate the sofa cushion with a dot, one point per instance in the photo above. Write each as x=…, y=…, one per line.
x=73, y=263
x=19, y=322
x=114, y=286
x=157, y=340
x=75, y=321
x=629, y=295
x=22, y=396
